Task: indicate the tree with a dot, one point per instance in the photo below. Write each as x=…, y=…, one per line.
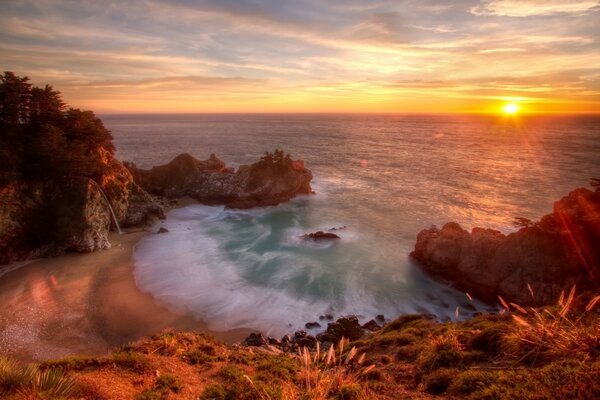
x=45, y=105
x=39, y=137
x=15, y=95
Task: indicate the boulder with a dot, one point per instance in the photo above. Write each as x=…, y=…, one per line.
x=372, y=326
x=255, y=339
x=550, y=256
x=347, y=327
x=312, y=325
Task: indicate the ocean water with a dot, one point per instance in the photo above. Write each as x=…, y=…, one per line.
x=383, y=177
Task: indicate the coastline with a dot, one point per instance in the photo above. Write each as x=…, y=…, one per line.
x=85, y=304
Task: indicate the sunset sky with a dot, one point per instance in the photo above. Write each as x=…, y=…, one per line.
x=309, y=55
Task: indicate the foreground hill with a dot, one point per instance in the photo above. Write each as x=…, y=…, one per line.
x=519, y=354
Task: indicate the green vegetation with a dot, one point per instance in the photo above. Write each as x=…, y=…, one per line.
x=32, y=382
x=163, y=386
x=517, y=354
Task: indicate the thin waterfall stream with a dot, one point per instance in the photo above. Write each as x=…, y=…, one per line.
x=112, y=212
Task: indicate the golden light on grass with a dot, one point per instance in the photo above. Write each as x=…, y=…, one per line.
x=511, y=108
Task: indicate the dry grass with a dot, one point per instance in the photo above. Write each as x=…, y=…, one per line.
x=325, y=374
x=553, y=332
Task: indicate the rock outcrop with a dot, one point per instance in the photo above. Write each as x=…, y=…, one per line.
x=549, y=256
x=267, y=182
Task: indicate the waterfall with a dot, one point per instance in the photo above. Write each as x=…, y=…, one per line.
x=112, y=212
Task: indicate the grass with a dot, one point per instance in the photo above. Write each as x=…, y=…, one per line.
x=334, y=373
x=563, y=330
x=520, y=353
x=32, y=382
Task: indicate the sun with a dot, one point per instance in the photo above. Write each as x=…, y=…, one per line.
x=510, y=108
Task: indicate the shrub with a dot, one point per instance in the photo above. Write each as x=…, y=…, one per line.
x=282, y=367
x=437, y=382
x=470, y=381
x=131, y=360
x=214, y=392
x=169, y=382
x=350, y=392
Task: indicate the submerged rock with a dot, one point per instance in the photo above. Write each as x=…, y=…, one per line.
x=268, y=182
x=550, y=256
x=312, y=325
x=320, y=235
x=162, y=230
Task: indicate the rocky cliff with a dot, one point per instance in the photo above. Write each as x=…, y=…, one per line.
x=550, y=256
x=47, y=217
x=268, y=182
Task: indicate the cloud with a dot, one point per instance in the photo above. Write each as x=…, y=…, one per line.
x=528, y=8
x=188, y=53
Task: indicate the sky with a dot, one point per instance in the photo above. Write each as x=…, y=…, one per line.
x=383, y=56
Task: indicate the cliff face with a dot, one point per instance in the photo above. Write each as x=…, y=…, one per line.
x=46, y=217
x=264, y=183
x=38, y=220
x=560, y=250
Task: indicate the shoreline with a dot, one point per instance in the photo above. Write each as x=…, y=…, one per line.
x=85, y=304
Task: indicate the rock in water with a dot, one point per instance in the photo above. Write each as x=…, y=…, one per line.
x=264, y=183
x=560, y=250
x=320, y=235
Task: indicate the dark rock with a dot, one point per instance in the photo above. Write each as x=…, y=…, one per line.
x=551, y=255
x=341, y=228
x=264, y=183
x=326, y=337
x=372, y=326
x=255, y=339
x=307, y=341
x=347, y=327
x=380, y=318
x=286, y=339
x=320, y=235
x=299, y=334
x=162, y=230
x=273, y=342
x=312, y=325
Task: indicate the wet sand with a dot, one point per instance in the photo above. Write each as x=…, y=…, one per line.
x=83, y=304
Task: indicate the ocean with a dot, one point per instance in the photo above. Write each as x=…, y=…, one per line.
x=382, y=177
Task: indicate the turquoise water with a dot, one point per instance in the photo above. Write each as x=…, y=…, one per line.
x=383, y=177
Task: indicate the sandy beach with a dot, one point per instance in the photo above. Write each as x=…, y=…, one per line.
x=83, y=304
